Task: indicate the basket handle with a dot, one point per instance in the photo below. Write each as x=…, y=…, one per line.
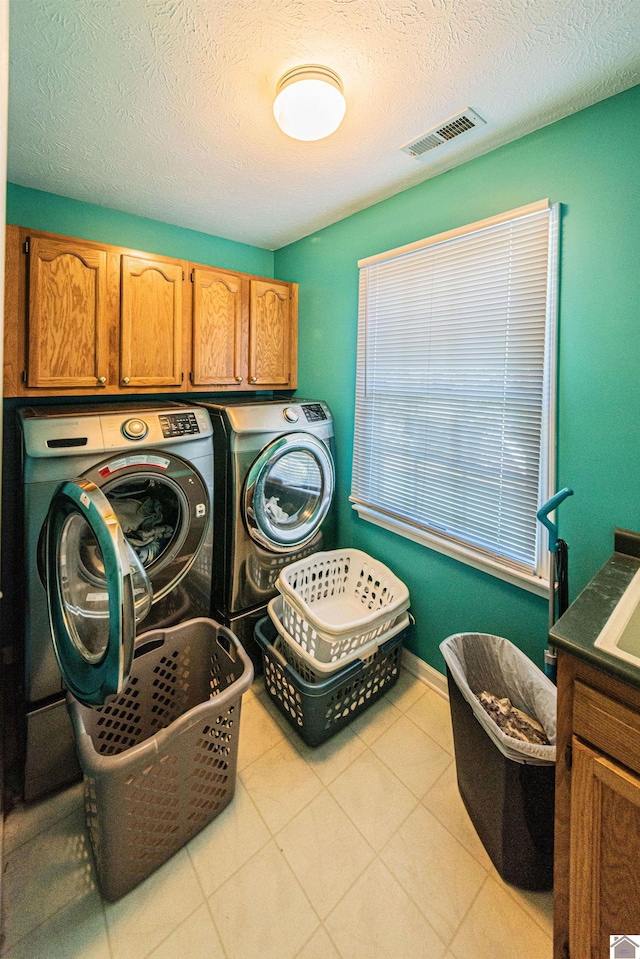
x=311, y=689
x=227, y=643
x=148, y=647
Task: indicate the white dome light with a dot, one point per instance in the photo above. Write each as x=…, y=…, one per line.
x=309, y=104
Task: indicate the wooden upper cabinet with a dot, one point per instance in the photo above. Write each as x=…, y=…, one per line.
x=68, y=336
x=151, y=322
x=83, y=318
x=219, y=328
x=272, y=334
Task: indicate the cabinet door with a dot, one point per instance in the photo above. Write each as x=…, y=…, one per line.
x=219, y=328
x=605, y=852
x=271, y=334
x=151, y=322
x=68, y=338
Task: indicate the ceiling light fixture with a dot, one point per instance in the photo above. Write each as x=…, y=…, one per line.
x=309, y=103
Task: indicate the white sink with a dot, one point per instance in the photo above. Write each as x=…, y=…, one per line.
x=621, y=633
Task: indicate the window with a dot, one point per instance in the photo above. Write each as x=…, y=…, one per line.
x=455, y=408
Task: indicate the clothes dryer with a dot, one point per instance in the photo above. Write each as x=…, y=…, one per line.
x=274, y=502
x=145, y=471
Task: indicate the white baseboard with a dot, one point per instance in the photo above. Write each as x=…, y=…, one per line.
x=425, y=673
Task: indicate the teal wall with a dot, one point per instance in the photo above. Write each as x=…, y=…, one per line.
x=58, y=214
x=589, y=162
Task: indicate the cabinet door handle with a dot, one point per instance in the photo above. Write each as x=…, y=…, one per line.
x=254, y=379
x=125, y=380
x=238, y=379
x=102, y=379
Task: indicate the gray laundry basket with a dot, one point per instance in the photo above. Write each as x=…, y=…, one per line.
x=506, y=785
x=159, y=761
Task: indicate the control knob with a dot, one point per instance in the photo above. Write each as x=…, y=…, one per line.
x=290, y=414
x=135, y=429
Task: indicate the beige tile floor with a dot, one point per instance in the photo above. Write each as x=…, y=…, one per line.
x=359, y=849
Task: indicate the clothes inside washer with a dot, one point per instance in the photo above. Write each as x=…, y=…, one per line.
x=142, y=523
x=148, y=515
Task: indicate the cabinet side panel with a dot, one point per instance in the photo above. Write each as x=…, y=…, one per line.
x=562, y=826
x=14, y=311
x=293, y=338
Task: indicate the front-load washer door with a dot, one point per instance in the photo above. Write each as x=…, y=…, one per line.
x=288, y=491
x=162, y=504
x=97, y=590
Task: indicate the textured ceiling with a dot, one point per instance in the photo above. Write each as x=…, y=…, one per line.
x=163, y=108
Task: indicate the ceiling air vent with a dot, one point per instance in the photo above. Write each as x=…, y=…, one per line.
x=436, y=136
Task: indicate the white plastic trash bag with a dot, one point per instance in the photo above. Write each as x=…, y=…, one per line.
x=480, y=661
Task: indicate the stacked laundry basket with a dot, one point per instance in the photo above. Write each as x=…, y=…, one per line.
x=332, y=642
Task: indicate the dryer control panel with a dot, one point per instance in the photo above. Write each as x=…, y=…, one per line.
x=314, y=412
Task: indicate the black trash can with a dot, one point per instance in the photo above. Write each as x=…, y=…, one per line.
x=506, y=785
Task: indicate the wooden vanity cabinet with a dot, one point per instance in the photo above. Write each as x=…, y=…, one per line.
x=597, y=821
x=84, y=317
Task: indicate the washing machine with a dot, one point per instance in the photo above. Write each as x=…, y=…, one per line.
x=274, y=504
x=145, y=472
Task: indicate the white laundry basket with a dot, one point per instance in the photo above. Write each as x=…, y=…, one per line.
x=307, y=665
x=339, y=601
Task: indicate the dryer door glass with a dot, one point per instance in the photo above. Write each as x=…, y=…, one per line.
x=97, y=590
x=289, y=491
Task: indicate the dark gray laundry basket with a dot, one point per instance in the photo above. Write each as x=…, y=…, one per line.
x=159, y=761
x=506, y=785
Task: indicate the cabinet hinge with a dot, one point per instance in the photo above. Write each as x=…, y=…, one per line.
x=568, y=756
x=193, y=276
x=24, y=376
x=182, y=377
x=191, y=376
x=183, y=275
x=26, y=245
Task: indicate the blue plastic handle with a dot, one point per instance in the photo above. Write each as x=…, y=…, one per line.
x=543, y=516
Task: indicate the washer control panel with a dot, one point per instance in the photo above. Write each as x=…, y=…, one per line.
x=179, y=424
x=78, y=431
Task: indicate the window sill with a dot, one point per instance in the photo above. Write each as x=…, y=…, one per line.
x=532, y=584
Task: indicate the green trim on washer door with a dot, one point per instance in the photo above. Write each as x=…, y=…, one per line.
x=91, y=674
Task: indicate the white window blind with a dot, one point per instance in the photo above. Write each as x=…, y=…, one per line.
x=455, y=390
